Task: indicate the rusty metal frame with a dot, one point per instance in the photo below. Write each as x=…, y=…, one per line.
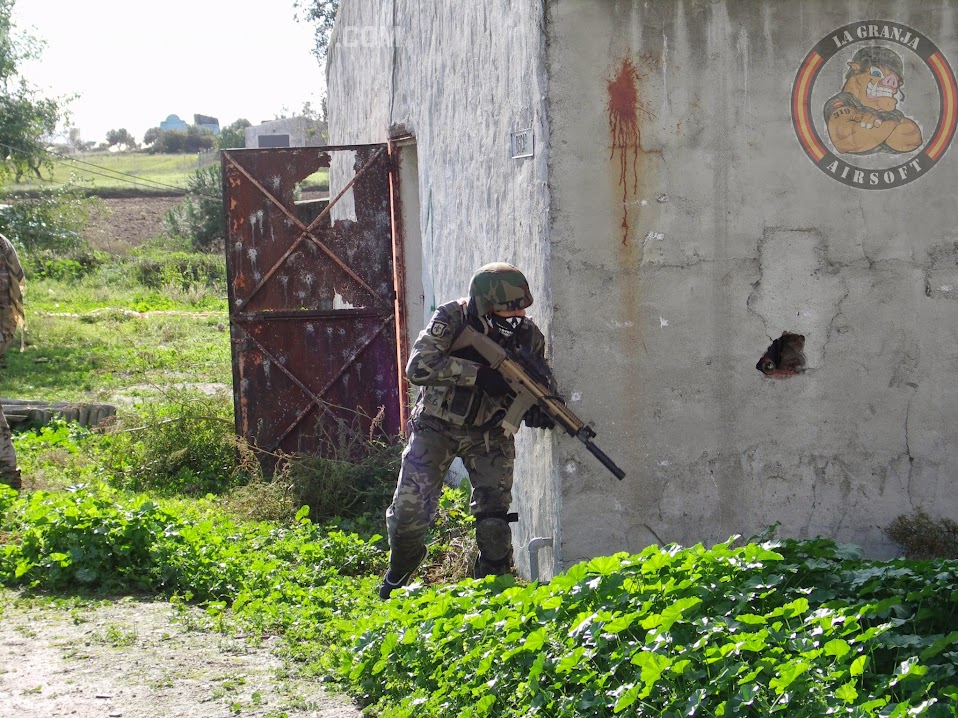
x=316, y=398
x=399, y=281
x=307, y=231
x=243, y=320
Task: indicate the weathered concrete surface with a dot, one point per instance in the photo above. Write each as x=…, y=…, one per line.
x=672, y=227
x=733, y=237
x=302, y=132
x=460, y=77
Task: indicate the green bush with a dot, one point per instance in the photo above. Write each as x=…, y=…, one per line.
x=200, y=217
x=185, y=445
x=795, y=628
x=47, y=264
x=96, y=539
x=158, y=268
x=52, y=221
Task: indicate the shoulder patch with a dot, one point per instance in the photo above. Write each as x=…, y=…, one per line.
x=437, y=329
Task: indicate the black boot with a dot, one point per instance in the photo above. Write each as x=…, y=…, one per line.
x=395, y=579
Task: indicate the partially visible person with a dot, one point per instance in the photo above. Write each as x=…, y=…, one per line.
x=11, y=317
x=461, y=405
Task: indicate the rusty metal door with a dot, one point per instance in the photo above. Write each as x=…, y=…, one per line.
x=312, y=302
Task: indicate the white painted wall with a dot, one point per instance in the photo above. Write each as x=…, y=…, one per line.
x=666, y=260
x=460, y=77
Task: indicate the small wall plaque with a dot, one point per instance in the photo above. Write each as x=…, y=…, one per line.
x=523, y=144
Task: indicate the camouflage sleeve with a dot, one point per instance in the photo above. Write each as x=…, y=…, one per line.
x=430, y=362
x=535, y=346
x=11, y=292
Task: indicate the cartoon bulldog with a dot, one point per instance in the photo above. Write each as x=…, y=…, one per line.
x=864, y=117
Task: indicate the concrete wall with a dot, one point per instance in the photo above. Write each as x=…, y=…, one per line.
x=689, y=228
x=460, y=77
x=302, y=132
x=673, y=226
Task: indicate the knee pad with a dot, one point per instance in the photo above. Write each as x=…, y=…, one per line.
x=493, y=536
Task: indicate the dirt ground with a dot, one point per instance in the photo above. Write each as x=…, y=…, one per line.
x=136, y=659
x=128, y=222
x=123, y=223
x=141, y=659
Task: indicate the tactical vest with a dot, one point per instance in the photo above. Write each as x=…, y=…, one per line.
x=460, y=404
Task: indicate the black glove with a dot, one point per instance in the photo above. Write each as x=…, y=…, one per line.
x=491, y=382
x=536, y=418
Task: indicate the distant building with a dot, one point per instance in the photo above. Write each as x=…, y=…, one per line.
x=289, y=132
x=173, y=122
x=210, y=123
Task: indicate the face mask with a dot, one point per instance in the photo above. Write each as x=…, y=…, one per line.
x=506, y=326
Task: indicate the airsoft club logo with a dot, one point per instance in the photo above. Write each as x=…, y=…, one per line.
x=849, y=108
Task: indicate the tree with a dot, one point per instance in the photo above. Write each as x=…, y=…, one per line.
x=120, y=137
x=194, y=139
x=322, y=14
x=151, y=135
x=233, y=136
x=200, y=216
x=26, y=118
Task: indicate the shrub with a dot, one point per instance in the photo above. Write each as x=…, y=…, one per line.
x=350, y=476
x=262, y=500
x=185, y=445
x=922, y=537
x=157, y=268
x=52, y=221
x=45, y=264
x=200, y=217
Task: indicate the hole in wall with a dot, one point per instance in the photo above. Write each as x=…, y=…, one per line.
x=784, y=356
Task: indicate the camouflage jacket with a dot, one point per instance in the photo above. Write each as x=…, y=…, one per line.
x=11, y=292
x=448, y=379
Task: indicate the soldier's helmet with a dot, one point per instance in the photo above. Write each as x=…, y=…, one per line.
x=878, y=55
x=498, y=287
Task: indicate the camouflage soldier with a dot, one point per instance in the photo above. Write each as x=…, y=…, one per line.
x=11, y=316
x=458, y=413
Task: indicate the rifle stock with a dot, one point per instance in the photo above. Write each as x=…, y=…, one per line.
x=530, y=392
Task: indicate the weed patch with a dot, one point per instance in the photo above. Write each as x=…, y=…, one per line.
x=797, y=628
x=923, y=537
x=801, y=628
x=185, y=445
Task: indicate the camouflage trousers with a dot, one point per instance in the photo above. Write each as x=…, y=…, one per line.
x=9, y=473
x=489, y=458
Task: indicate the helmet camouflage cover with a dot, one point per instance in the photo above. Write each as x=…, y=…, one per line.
x=878, y=55
x=498, y=287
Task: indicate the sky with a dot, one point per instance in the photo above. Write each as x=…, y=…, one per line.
x=133, y=64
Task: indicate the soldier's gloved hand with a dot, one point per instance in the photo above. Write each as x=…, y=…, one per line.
x=536, y=418
x=491, y=382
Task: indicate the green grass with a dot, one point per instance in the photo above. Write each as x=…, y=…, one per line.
x=134, y=171
x=97, y=343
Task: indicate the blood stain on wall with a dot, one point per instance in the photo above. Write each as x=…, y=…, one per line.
x=624, y=109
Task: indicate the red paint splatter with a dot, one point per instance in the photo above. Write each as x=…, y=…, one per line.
x=624, y=108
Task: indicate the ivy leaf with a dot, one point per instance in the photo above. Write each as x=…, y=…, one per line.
x=628, y=697
x=652, y=665
x=837, y=647
x=847, y=692
x=787, y=674
x=938, y=646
